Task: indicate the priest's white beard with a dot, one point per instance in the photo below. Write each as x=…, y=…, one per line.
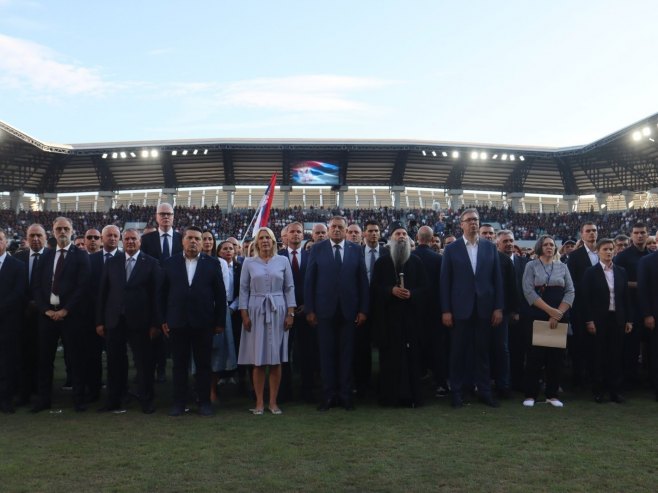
x=400, y=251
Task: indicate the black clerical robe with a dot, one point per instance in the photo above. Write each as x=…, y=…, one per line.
x=399, y=330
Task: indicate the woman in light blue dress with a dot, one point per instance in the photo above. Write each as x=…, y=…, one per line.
x=267, y=305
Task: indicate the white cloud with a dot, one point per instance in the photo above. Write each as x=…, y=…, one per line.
x=37, y=67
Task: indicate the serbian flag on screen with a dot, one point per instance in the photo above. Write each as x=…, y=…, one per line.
x=263, y=212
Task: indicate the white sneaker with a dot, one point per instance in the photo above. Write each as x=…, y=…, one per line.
x=554, y=402
x=529, y=403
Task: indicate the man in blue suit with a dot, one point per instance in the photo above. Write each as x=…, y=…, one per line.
x=471, y=302
x=336, y=301
x=194, y=308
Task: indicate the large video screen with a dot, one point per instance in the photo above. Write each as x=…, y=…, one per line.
x=314, y=173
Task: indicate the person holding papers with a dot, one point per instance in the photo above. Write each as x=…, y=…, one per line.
x=548, y=288
x=606, y=306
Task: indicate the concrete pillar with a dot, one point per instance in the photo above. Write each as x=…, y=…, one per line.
x=286, y=189
x=48, y=199
x=397, y=190
x=456, y=198
x=602, y=201
x=108, y=199
x=515, y=198
x=230, y=192
x=339, y=196
x=628, y=198
x=169, y=195
x=571, y=201
x=15, y=197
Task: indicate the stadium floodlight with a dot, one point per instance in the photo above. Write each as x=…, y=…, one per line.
x=196, y=151
x=521, y=158
x=114, y=155
x=512, y=157
x=184, y=152
x=646, y=131
x=474, y=155
x=444, y=154
x=455, y=154
x=424, y=153
x=637, y=135
x=174, y=153
x=495, y=156
x=434, y=153
x=205, y=151
x=483, y=156
x=122, y=154
x=132, y=154
x=503, y=157
x=651, y=139
x=154, y=153
x=145, y=153
x=104, y=156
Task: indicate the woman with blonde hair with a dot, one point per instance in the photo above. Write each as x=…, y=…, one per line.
x=267, y=305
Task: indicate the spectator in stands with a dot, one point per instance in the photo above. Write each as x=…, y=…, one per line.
x=549, y=291
x=436, y=243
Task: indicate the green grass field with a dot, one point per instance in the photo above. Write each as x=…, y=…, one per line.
x=582, y=447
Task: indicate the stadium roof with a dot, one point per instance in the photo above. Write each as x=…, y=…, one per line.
x=624, y=160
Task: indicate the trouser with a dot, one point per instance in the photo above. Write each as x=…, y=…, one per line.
x=363, y=356
x=29, y=353
x=500, y=354
x=187, y=341
x=538, y=358
x=336, y=343
x=9, y=347
x=469, y=354
x=607, y=344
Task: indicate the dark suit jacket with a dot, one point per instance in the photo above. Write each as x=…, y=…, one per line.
x=510, y=293
x=151, y=244
x=24, y=256
x=647, y=286
x=519, y=269
x=201, y=305
x=327, y=288
x=135, y=298
x=578, y=263
x=461, y=290
x=12, y=294
x=237, y=272
x=596, y=296
x=73, y=285
x=432, y=265
x=299, y=277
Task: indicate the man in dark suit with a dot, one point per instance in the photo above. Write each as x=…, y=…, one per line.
x=60, y=290
x=12, y=297
x=434, y=348
x=472, y=303
x=516, y=308
x=127, y=314
x=226, y=250
x=647, y=294
x=372, y=251
x=302, y=339
x=162, y=244
x=606, y=320
x=29, y=336
x=336, y=301
x=579, y=261
x=193, y=309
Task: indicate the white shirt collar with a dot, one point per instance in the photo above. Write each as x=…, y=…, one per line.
x=342, y=244
x=161, y=232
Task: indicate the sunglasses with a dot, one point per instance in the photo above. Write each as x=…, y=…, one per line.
x=92, y=237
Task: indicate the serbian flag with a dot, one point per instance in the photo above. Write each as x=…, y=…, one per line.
x=262, y=216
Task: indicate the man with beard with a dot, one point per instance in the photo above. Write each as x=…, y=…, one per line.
x=400, y=285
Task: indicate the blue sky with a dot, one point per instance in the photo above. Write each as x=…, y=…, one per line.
x=530, y=73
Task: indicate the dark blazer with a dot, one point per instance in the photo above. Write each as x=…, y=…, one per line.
x=237, y=272
x=24, y=256
x=519, y=269
x=462, y=290
x=327, y=288
x=151, y=244
x=299, y=277
x=432, y=265
x=578, y=263
x=647, y=286
x=596, y=296
x=97, y=266
x=12, y=294
x=510, y=293
x=201, y=305
x=135, y=298
x=73, y=285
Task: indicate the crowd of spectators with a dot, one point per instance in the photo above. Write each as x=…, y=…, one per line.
x=526, y=226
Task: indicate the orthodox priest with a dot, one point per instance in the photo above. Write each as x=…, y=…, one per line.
x=400, y=287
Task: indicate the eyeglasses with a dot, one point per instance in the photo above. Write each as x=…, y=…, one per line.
x=470, y=220
x=93, y=237
x=165, y=214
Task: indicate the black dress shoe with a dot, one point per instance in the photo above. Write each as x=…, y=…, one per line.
x=148, y=407
x=176, y=410
x=349, y=405
x=37, y=408
x=108, y=408
x=618, y=398
x=79, y=408
x=457, y=401
x=205, y=410
x=7, y=408
x=489, y=401
x=598, y=398
x=326, y=405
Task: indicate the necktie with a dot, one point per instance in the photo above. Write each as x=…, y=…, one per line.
x=165, y=246
x=107, y=257
x=129, y=267
x=295, y=263
x=35, y=264
x=339, y=261
x=58, y=271
x=372, y=263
